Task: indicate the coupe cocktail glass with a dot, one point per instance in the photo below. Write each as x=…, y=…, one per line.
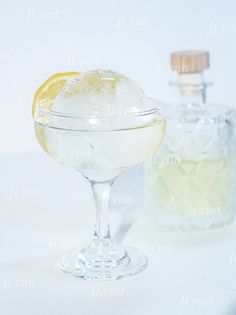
x=101, y=150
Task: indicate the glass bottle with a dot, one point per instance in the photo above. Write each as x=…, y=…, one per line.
x=190, y=182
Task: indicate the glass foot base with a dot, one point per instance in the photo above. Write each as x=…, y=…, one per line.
x=121, y=263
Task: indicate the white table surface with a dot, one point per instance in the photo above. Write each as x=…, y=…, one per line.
x=47, y=209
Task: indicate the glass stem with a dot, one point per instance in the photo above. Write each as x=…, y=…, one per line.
x=101, y=192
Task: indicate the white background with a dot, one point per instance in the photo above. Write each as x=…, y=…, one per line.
x=47, y=209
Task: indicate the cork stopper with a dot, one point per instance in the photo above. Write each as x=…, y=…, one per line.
x=190, y=61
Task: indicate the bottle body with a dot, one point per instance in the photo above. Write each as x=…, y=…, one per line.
x=190, y=183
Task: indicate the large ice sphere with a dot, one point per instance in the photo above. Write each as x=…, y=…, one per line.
x=101, y=94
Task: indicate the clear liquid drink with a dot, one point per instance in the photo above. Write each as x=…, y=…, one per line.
x=101, y=150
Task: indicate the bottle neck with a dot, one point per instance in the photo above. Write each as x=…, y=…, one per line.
x=191, y=89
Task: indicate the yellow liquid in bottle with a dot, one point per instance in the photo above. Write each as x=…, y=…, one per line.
x=191, y=188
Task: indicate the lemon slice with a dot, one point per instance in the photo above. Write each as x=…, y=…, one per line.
x=45, y=97
x=48, y=91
